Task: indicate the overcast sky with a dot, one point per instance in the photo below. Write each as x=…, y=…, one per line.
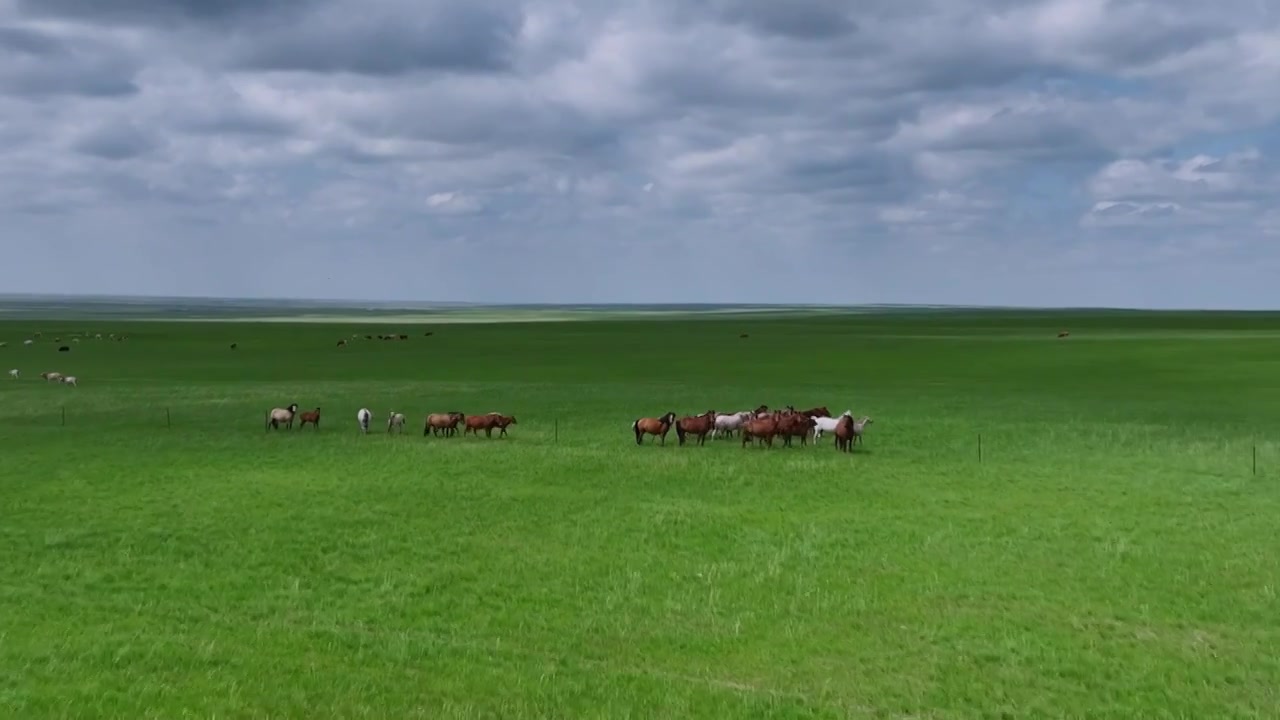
x=1075, y=152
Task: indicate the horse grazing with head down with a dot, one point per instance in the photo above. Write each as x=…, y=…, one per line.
x=502, y=422
x=396, y=420
x=697, y=425
x=653, y=426
x=795, y=425
x=764, y=428
x=442, y=422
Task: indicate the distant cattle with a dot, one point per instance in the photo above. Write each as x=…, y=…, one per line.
x=64, y=348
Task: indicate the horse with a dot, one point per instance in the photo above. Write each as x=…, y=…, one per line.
x=653, y=426
x=395, y=419
x=14, y=373
x=826, y=424
x=764, y=428
x=502, y=422
x=697, y=425
x=795, y=425
x=311, y=416
x=858, y=426
x=844, y=433
x=70, y=380
x=52, y=376
x=363, y=417
x=817, y=412
x=281, y=416
x=729, y=423
x=476, y=423
x=446, y=422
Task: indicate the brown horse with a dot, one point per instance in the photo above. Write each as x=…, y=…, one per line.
x=442, y=422
x=502, y=422
x=310, y=416
x=476, y=423
x=817, y=412
x=795, y=425
x=653, y=426
x=697, y=425
x=764, y=428
x=844, y=433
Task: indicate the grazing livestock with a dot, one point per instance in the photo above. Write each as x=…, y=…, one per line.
x=476, y=423
x=64, y=348
x=14, y=373
x=502, y=422
x=697, y=425
x=281, y=416
x=404, y=337
x=826, y=424
x=764, y=428
x=744, y=336
x=395, y=419
x=70, y=380
x=4, y=344
x=844, y=433
x=310, y=416
x=427, y=334
x=1063, y=334
x=234, y=345
x=27, y=342
x=858, y=426
x=342, y=343
x=653, y=426
x=52, y=376
x=795, y=425
x=728, y=424
x=817, y=412
x=442, y=422
x=363, y=417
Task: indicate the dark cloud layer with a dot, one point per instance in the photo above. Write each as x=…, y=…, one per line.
x=734, y=150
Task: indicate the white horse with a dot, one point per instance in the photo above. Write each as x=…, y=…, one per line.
x=827, y=424
x=70, y=380
x=363, y=417
x=729, y=423
x=395, y=419
x=14, y=373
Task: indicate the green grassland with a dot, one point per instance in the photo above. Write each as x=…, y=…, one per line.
x=1112, y=554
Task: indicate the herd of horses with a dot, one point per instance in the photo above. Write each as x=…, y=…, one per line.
x=438, y=424
x=761, y=426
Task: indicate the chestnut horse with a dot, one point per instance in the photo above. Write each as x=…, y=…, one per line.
x=310, y=416
x=844, y=433
x=442, y=422
x=764, y=428
x=817, y=412
x=697, y=425
x=653, y=426
x=502, y=421
x=476, y=423
x=795, y=425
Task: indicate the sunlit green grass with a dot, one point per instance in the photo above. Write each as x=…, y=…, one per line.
x=1111, y=555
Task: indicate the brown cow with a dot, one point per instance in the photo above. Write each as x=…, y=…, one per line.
x=442, y=422
x=653, y=426
x=476, y=423
x=698, y=425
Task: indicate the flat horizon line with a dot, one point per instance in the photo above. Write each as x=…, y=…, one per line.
x=420, y=304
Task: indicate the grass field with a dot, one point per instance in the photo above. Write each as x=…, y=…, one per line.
x=1112, y=555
